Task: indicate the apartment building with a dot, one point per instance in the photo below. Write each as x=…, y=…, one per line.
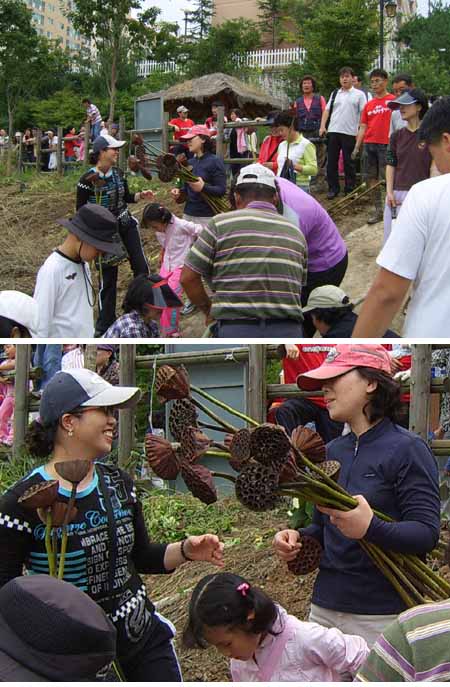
x=50, y=20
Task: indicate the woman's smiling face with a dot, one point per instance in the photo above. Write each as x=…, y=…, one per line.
x=347, y=395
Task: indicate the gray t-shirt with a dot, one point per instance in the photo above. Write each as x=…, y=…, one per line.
x=347, y=110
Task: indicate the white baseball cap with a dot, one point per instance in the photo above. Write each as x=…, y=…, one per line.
x=256, y=174
x=79, y=387
x=328, y=296
x=20, y=308
x=182, y=108
x=106, y=141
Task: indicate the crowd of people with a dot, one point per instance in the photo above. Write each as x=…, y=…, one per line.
x=359, y=626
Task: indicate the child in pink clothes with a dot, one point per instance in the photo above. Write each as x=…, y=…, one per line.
x=7, y=394
x=176, y=236
x=264, y=643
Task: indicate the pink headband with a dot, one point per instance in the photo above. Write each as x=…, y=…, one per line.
x=243, y=588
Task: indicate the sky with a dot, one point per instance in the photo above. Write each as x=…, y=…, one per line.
x=172, y=10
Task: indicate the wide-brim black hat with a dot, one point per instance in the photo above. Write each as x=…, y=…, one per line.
x=96, y=226
x=161, y=294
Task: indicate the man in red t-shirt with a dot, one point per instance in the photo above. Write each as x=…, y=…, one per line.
x=290, y=414
x=181, y=124
x=374, y=131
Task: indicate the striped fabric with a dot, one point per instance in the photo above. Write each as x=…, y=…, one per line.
x=256, y=263
x=414, y=648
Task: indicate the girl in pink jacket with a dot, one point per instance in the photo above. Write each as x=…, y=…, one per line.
x=176, y=237
x=264, y=642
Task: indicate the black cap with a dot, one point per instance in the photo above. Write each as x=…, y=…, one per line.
x=52, y=631
x=96, y=226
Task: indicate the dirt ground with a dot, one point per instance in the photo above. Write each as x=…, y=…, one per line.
x=30, y=232
x=248, y=553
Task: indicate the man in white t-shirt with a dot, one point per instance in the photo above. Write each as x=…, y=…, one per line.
x=63, y=287
x=343, y=111
x=417, y=251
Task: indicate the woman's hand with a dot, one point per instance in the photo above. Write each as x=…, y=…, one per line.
x=198, y=185
x=292, y=351
x=287, y=544
x=353, y=523
x=206, y=547
x=147, y=195
x=390, y=198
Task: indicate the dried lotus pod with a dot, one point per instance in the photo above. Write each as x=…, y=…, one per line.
x=289, y=471
x=172, y=383
x=73, y=471
x=166, y=174
x=183, y=413
x=330, y=467
x=59, y=514
x=41, y=495
x=194, y=443
x=308, y=557
x=146, y=173
x=240, y=449
x=269, y=444
x=309, y=443
x=199, y=481
x=161, y=457
x=137, y=140
x=256, y=487
x=133, y=163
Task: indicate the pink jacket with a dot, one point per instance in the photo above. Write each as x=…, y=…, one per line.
x=176, y=241
x=303, y=652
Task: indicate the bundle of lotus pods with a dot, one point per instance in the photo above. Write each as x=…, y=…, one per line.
x=271, y=465
x=169, y=168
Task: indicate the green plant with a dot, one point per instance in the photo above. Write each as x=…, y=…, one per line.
x=11, y=471
x=170, y=517
x=300, y=515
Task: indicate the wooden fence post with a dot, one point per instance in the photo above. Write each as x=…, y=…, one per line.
x=23, y=357
x=87, y=140
x=420, y=389
x=256, y=386
x=59, y=151
x=19, y=153
x=122, y=160
x=38, y=150
x=90, y=357
x=165, y=132
x=127, y=359
x=220, y=131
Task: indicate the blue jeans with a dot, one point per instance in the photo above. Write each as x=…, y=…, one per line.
x=47, y=356
x=95, y=130
x=259, y=329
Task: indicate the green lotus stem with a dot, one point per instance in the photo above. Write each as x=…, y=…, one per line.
x=372, y=552
x=425, y=589
x=48, y=542
x=62, y=557
x=218, y=454
x=400, y=574
x=224, y=406
x=426, y=575
x=118, y=671
x=323, y=475
x=55, y=550
x=221, y=447
x=207, y=425
x=226, y=425
x=224, y=475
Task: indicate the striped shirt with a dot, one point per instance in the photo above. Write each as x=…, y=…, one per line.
x=255, y=262
x=94, y=114
x=414, y=648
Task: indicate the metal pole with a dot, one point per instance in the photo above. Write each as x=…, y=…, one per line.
x=127, y=377
x=23, y=357
x=381, y=34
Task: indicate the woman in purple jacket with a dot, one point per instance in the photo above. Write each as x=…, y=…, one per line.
x=388, y=469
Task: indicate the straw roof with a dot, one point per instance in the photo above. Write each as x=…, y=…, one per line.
x=198, y=94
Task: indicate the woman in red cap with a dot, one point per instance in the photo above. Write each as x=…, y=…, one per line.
x=386, y=468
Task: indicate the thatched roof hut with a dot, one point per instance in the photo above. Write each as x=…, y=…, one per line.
x=198, y=94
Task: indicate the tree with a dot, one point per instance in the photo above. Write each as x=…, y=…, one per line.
x=200, y=18
x=119, y=38
x=337, y=34
x=220, y=51
x=271, y=15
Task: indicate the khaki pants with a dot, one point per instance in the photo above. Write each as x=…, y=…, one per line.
x=367, y=626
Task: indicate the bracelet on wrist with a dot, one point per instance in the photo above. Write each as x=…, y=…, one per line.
x=183, y=552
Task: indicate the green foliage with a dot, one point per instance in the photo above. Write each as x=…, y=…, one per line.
x=300, y=514
x=344, y=32
x=11, y=471
x=217, y=52
x=63, y=108
x=200, y=18
x=170, y=517
x=428, y=54
x=273, y=372
x=271, y=15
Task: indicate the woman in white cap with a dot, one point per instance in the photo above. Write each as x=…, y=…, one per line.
x=18, y=315
x=108, y=545
x=104, y=183
x=386, y=468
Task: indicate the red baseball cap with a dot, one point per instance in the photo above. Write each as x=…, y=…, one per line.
x=197, y=130
x=342, y=359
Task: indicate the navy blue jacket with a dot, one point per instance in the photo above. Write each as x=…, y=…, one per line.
x=212, y=170
x=398, y=475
